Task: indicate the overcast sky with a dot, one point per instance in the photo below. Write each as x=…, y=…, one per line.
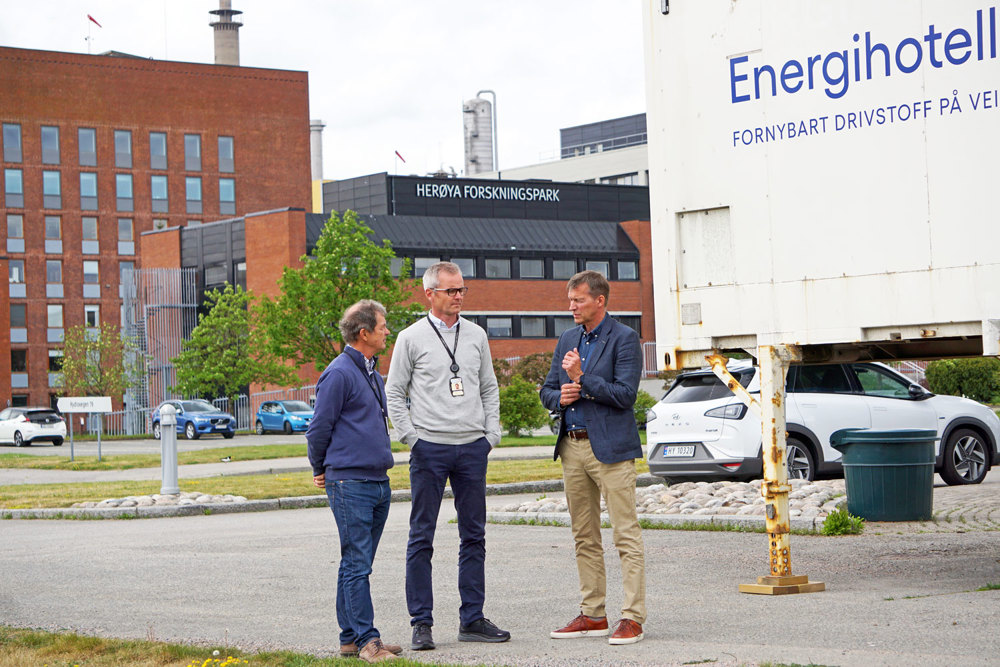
x=388, y=75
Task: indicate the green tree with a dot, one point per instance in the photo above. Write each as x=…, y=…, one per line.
x=227, y=350
x=643, y=402
x=978, y=378
x=346, y=266
x=520, y=407
x=534, y=367
x=98, y=362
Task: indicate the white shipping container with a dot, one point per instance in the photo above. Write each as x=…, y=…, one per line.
x=824, y=173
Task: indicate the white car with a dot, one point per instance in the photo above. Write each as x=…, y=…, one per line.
x=23, y=426
x=700, y=430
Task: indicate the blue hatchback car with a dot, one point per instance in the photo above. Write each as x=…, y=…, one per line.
x=285, y=416
x=196, y=418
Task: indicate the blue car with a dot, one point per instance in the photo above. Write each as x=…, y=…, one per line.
x=285, y=416
x=196, y=418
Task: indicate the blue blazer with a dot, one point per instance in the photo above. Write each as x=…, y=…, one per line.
x=608, y=391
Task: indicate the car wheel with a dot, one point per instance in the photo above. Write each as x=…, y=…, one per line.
x=228, y=435
x=259, y=428
x=190, y=432
x=58, y=442
x=287, y=428
x=156, y=430
x=18, y=439
x=799, y=460
x=965, y=458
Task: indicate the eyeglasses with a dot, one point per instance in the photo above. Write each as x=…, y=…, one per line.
x=452, y=291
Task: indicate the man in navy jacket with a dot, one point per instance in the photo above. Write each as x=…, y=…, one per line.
x=593, y=382
x=350, y=453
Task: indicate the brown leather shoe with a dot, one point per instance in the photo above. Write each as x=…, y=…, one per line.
x=582, y=626
x=626, y=631
x=350, y=650
x=375, y=651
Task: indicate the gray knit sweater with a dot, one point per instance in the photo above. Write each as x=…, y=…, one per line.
x=419, y=369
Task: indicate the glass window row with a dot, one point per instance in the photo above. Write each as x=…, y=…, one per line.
x=54, y=316
x=53, y=232
x=13, y=150
x=537, y=326
x=521, y=268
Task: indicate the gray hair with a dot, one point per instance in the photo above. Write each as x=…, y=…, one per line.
x=431, y=279
x=362, y=315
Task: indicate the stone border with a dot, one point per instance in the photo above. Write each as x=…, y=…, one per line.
x=666, y=520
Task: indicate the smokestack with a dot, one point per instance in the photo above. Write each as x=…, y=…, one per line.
x=316, y=148
x=227, y=34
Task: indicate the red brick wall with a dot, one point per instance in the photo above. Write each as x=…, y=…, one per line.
x=638, y=231
x=161, y=249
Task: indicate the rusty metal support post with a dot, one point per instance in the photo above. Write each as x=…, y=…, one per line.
x=774, y=362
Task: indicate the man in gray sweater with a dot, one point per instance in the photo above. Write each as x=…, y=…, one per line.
x=443, y=363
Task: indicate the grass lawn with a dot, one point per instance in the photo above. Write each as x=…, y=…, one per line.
x=34, y=647
x=253, y=487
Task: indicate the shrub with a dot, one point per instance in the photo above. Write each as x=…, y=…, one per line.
x=534, y=367
x=839, y=522
x=978, y=379
x=520, y=407
x=643, y=402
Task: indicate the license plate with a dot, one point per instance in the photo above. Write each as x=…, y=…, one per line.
x=675, y=451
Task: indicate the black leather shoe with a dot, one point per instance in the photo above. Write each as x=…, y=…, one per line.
x=482, y=630
x=422, y=639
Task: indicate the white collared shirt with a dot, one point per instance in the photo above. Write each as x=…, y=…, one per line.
x=439, y=323
x=369, y=363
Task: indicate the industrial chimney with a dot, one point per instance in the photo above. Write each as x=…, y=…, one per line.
x=227, y=34
x=316, y=148
x=479, y=123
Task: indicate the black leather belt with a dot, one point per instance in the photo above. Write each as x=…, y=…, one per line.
x=578, y=434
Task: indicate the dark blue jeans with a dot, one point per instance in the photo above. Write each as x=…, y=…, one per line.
x=431, y=466
x=360, y=508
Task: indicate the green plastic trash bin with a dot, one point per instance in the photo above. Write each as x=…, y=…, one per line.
x=889, y=474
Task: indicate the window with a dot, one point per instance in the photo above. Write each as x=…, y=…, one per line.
x=123, y=149
x=421, y=264
x=53, y=271
x=88, y=228
x=126, y=238
x=11, y=142
x=51, y=189
x=15, y=232
x=823, y=378
x=562, y=324
x=467, y=264
x=18, y=315
x=126, y=278
x=55, y=361
x=90, y=272
x=633, y=322
x=88, y=191
x=50, y=144
x=15, y=271
x=193, y=194
x=532, y=268
x=497, y=268
x=87, y=142
x=123, y=192
x=215, y=275
x=13, y=183
x=192, y=152
x=226, y=154
x=240, y=274
x=533, y=327
x=627, y=271
x=53, y=235
x=158, y=188
x=876, y=382
x=158, y=150
x=498, y=327
x=92, y=316
x=55, y=316
x=563, y=269
x=602, y=267
x=227, y=196
x=396, y=266
x=18, y=361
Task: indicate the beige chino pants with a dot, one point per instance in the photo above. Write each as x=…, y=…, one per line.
x=586, y=479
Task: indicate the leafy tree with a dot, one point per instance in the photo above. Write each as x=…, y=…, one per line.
x=520, y=407
x=98, y=362
x=978, y=379
x=534, y=367
x=503, y=369
x=346, y=266
x=227, y=351
x=643, y=402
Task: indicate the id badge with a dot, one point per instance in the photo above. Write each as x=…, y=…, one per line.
x=457, y=389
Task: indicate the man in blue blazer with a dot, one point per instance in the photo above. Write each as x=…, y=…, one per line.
x=593, y=382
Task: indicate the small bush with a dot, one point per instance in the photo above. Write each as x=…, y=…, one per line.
x=643, y=402
x=978, y=379
x=839, y=522
x=520, y=407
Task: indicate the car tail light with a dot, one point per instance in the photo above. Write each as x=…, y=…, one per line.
x=731, y=466
x=731, y=411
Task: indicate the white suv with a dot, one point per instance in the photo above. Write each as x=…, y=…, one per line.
x=700, y=430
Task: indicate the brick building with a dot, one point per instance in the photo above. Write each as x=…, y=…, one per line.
x=100, y=149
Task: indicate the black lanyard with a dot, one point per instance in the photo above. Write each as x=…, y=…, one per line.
x=372, y=382
x=451, y=353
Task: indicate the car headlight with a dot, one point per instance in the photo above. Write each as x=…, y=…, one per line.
x=650, y=415
x=295, y=418
x=731, y=411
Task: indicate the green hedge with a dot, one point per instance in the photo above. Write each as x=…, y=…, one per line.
x=978, y=379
